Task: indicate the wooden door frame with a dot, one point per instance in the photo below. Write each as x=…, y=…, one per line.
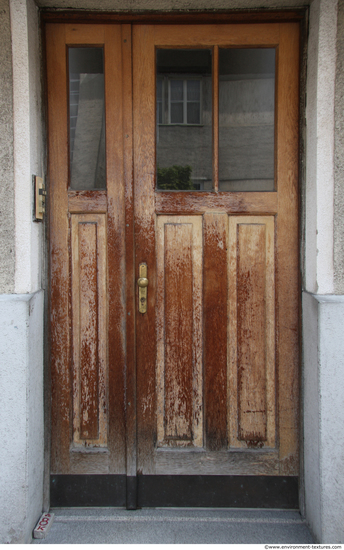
x=244, y=16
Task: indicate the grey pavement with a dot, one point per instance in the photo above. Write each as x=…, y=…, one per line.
x=176, y=526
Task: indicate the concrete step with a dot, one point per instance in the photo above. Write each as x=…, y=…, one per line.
x=176, y=526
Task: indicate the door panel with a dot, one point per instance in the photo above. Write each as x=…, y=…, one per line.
x=179, y=379
x=87, y=306
x=89, y=330
x=199, y=395
x=251, y=306
x=242, y=406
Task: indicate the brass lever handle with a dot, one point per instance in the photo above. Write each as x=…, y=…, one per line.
x=142, y=283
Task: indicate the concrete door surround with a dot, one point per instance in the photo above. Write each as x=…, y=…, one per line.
x=23, y=279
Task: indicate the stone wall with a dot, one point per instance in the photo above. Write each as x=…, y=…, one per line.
x=339, y=158
x=7, y=245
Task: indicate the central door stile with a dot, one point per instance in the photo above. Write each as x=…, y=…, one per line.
x=144, y=177
x=130, y=396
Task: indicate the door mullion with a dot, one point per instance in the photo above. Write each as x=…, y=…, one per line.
x=216, y=118
x=131, y=495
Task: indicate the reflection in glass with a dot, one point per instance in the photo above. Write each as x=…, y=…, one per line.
x=184, y=120
x=87, y=118
x=246, y=119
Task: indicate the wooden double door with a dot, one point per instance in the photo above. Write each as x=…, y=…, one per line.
x=193, y=402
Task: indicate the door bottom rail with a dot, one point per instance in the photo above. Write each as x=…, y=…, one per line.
x=194, y=491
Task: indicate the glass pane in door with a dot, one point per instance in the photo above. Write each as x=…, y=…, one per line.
x=86, y=118
x=184, y=120
x=246, y=119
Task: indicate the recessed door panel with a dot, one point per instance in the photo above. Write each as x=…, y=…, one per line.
x=180, y=332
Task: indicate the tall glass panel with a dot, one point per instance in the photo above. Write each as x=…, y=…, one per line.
x=184, y=120
x=86, y=118
x=246, y=119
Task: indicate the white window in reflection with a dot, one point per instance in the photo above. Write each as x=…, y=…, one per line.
x=184, y=101
x=184, y=120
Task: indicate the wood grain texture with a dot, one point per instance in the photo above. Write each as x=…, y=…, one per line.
x=129, y=252
x=107, y=206
x=87, y=335
x=116, y=244
x=87, y=201
x=61, y=404
x=251, y=381
x=188, y=462
x=215, y=236
x=89, y=463
x=144, y=183
x=252, y=420
x=216, y=118
x=221, y=35
x=287, y=228
x=89, y=330
x=251, y=266
x=173, y=413
x=179, y=331
x=201, y=202
x=84, y=34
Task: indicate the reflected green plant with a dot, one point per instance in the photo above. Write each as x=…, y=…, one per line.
x=175, y=178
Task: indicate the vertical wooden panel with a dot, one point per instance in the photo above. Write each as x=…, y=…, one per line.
x=215, y=76
x=131, y=468
x=116, y=244
x=89, y=324
x=251, y=266
x=144, y=181
x=215, y=329
x=288, y=277
x=61, y=403
x=251, y=387
x=179, y=331
x=108, y=428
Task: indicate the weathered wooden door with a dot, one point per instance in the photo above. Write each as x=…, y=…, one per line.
x=188, y=396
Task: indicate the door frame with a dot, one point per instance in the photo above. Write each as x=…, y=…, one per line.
x=245, y=16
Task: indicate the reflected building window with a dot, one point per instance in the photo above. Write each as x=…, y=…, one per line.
x=184, y=119
x=184, y=101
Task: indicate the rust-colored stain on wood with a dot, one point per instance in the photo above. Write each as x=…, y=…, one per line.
x=88, y=331
x=252, y=387
x=179, y=323
x=215, y=268
x=251, y=332
x=199, y=369
x=178, y=331
x=89, y=322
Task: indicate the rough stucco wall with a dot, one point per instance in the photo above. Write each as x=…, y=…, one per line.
x=321, y=70
x=339, y=157
x=27, y=149
x=7, y=249
x=21, y=419
x=161, y=5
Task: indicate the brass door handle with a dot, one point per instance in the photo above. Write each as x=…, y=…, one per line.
x=142, y=283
